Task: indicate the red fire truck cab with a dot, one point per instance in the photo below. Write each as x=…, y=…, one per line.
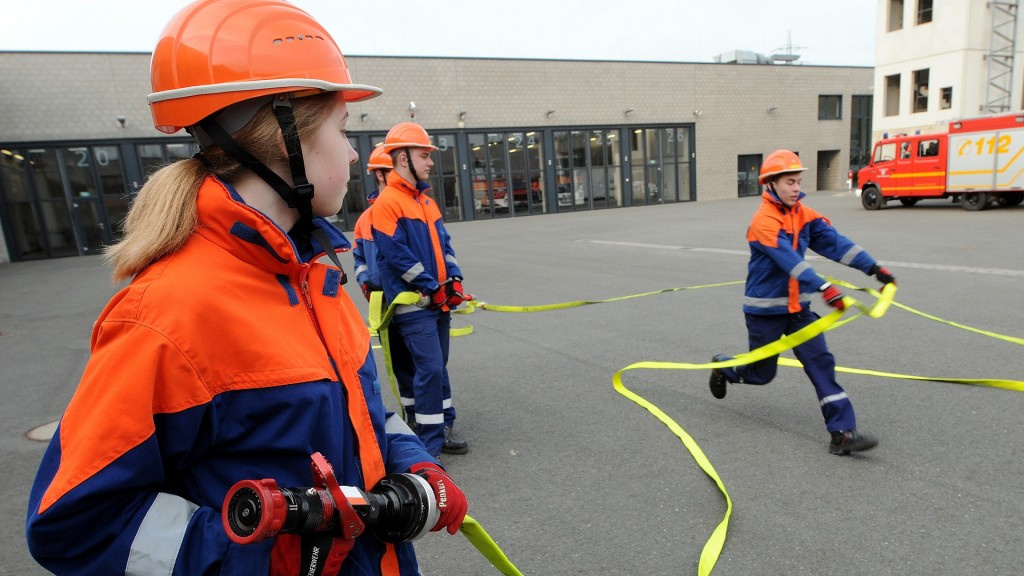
x=978, y=162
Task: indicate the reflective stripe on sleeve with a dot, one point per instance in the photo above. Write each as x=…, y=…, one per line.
x=413, y=272
x=799, y=269
x=850, y=255
x=156, y=544
x=395, y=425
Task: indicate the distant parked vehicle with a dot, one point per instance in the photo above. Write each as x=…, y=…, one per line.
x=978, y=162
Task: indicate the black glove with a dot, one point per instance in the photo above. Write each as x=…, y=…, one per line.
x=833, y=297
x=883, y=275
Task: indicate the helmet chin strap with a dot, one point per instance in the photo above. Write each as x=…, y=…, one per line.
x=412, y=167
x=299, y=196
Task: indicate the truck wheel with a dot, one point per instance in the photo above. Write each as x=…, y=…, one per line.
x=1010, y=199
x=871, y=198
x=975, y=201
x=909, y=201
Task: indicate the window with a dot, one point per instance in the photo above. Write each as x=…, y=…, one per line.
x=920, y=90
x=904, y=150
x=924, y=11
x=885, y=152
x=927, y=148
x=860, y=131
x=946, y=100
x=830, y=107
x=892, y=95
x=895, y=15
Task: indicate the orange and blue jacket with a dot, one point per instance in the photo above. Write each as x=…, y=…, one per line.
x=232, y=358
x=779, y=279
x=414, y=251
x=364, y=251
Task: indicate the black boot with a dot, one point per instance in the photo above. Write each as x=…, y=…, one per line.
x=847, y=441
x=452, y=446
x=718, y=381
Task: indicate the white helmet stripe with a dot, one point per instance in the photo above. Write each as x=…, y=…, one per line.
x=251, y=85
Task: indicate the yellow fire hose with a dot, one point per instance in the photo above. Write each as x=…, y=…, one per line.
x=380, y=318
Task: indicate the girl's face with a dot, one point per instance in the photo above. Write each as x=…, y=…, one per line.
x=328, y=158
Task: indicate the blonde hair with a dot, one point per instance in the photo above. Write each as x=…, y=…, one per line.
x=163, y=214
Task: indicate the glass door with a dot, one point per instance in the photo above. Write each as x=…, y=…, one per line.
x=747, y=168
x=57, y=228
x=525, y=155
x=85, y=201
x=647, y=176
x=444, y=178
x=492, y=196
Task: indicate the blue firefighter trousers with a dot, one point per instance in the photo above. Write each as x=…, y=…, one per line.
x=819, y=365
x=426, y=339
x=404, y=371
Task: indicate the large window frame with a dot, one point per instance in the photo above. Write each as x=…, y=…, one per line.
x=830, y=107
x=892, y=95
x=920, y=94
x=924, y=12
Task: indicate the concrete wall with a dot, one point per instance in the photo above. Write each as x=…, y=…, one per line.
x=736, y=109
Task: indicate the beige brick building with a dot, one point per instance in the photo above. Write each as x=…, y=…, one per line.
x=518, y=137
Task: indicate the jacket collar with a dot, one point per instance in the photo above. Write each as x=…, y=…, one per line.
x=251, y=236
x=395, y=180
x=768, y=196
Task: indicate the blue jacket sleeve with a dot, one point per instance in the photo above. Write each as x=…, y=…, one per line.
x=359, y=258
x=110, y=510
x=828, y=242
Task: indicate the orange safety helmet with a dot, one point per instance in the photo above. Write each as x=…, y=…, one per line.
x=379, y=160
x=215, y=53
x=407, y=135
x=779, y=162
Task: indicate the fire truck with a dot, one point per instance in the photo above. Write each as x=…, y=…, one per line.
x=978, y=162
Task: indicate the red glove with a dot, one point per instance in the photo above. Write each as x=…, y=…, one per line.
x=436, y=299
x=367, y=289
x=883, y=275
x=320, y=554
x=833, y=297
x=454, y=293
x=450, y=500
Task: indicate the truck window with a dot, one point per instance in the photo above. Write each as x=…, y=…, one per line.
x=885, y=152
x=927, y=148
x=904, y=150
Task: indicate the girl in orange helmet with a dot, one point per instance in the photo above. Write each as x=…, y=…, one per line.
x=233, y=353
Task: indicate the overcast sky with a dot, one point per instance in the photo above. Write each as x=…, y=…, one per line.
x=823, y=32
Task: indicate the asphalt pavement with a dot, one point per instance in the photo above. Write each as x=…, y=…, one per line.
x=570, y=477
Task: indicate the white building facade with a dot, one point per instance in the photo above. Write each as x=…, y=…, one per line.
x=937, y=60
